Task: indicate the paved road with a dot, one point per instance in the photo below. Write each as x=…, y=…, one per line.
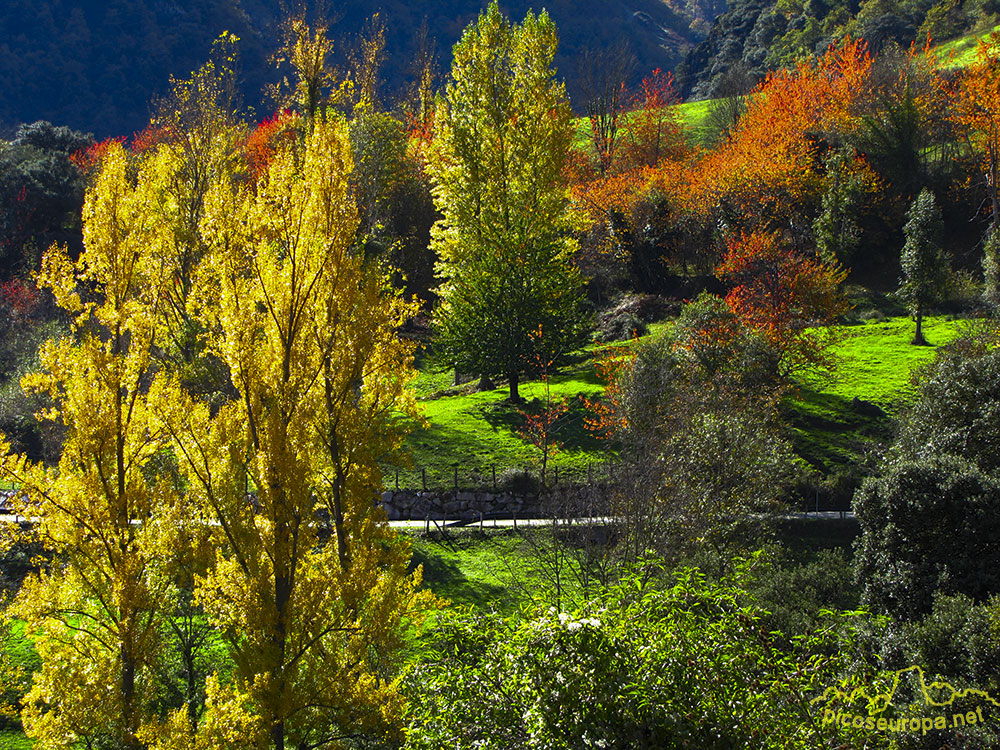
x=500, y=523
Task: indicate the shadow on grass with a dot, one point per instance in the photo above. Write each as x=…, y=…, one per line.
x=445, y=578
x=570, y=431
x=831, y=432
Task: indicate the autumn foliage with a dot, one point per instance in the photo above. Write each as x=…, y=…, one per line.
x=266, y=139
x=781, y=294
x=770, y=164
x=977, y=110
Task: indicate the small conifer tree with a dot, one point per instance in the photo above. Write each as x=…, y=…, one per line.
x=923, y=263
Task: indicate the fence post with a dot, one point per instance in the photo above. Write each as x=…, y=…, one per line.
x=423, y=478
x=397, y=479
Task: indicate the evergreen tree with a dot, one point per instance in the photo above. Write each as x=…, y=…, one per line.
x=835, y=229
x=924, y=265
x=503, y=134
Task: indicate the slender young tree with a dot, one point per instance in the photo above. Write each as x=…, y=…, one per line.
x=924, y=265
x=95, y=617
x=502, y=137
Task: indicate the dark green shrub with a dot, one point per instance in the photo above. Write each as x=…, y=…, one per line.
x=958, y=407
x=517, y=482
x=956, y=642
x=793, y=593
x=621, y=326
x=927, y=526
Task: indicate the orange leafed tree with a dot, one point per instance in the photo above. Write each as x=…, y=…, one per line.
x=771, y=163
x=652, y=132
x=781, y=295
x=977, y=109
x=606, y=415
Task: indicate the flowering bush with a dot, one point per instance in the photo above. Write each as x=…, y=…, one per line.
x=688, y=665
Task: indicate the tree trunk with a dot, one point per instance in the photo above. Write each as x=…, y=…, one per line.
x=994, y=161
x=515, y=397
x=918, y=337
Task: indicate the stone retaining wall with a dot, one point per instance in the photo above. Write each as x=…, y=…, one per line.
x=563, y=501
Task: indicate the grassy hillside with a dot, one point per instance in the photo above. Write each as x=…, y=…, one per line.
x=479, y=431
x=691, y=115
x=960, y=52
x=876, y=363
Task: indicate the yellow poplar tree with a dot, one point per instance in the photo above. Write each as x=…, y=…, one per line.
x=310, y=586
x=94, y=613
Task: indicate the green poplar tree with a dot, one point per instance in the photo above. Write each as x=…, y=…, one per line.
x=502, y=137
x=924, y=265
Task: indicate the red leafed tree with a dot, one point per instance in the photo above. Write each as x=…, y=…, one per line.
x=263, y=142
x=89, y=159
x=150, y=137
x=652, y=131
x=782, y=295
x=540, y=427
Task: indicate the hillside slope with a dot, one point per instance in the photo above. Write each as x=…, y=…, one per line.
x=754, y=36
x=95, y=65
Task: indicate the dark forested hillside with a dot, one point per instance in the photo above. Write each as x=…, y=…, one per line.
x=754, y=36
x=95, y=65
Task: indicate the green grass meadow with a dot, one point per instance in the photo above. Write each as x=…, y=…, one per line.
x=875, y=362
x=477, y=432
x=961, y=52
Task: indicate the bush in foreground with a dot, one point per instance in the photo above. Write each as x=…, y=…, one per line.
x=688, y=665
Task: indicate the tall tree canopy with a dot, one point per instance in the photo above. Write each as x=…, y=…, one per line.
x=306, y=584
x=502, y=138
x=96, y=617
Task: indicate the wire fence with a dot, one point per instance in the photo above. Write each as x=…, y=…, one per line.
x=496, y=478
